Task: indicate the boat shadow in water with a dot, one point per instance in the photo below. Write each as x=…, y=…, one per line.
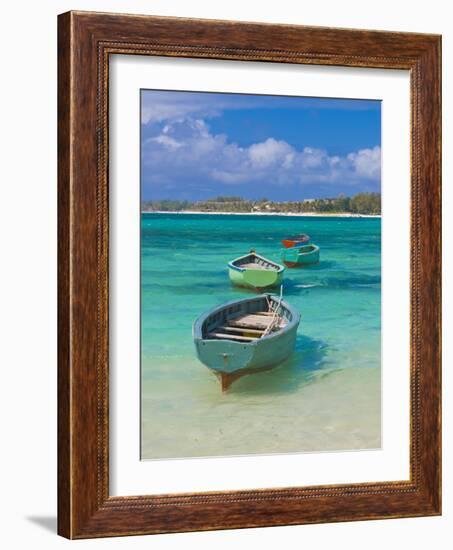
x=305, y=268
x=291, y=287
x=305, y=363
x=320, y=266
x=339, y=280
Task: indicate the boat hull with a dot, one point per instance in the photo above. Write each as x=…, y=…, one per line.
x=255, y=271
x=256, y=279
x=234, y=357
x=230, y=359
x=300, y=256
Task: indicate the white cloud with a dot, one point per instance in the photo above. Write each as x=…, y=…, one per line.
x=186, y=149
x=230, y=177
x=166, y=140
x=367, y=162
x=161, y=106
x=269, y=152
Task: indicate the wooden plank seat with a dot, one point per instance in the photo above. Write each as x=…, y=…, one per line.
x=243, y=329
x=246, y=328
x=221, y=335
x=251, y=321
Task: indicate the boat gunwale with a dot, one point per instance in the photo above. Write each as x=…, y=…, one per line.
x=198, y=324
x=301, y=252
x=231, y=265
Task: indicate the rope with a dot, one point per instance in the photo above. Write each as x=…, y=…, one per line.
x=270, y=326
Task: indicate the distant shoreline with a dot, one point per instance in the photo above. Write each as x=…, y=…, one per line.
x=287, y=214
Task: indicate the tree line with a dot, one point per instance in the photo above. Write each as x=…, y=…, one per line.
x=361, y=203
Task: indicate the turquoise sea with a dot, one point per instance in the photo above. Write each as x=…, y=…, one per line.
x=326, y=397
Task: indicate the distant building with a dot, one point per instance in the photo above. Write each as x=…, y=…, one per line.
x=309, y=200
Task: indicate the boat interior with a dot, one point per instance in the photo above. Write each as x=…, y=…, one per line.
x=304, y=249
x=245, y=326
x=252, y=261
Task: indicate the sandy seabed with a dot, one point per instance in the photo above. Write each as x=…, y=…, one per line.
x=333, y=411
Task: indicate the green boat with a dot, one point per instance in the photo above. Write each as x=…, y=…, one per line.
x=246, y=336
x=255, y=271
x=299, y=256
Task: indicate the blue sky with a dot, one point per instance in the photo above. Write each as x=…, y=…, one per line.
x=197, y=145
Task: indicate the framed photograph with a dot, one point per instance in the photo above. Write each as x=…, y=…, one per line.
x=249, y=275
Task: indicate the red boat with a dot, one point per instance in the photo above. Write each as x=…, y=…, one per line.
x=296, y=240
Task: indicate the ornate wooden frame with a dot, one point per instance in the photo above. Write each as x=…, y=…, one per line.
x=85, y=41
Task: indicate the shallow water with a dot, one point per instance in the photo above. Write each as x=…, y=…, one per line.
x=325, y=397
